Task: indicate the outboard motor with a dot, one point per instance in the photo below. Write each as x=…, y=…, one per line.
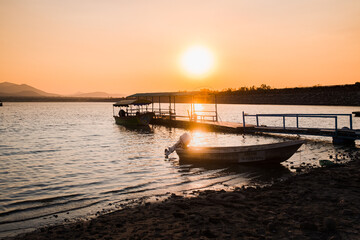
x=183, y=141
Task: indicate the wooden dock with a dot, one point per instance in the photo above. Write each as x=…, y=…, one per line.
x=340, y=136
x=209, y=119
x=227, y=127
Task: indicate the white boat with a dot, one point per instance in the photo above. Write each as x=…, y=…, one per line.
x=265, y=153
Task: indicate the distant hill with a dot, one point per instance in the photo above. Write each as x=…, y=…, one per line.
x=8, y=89
x=97, y=95
x=22, y=90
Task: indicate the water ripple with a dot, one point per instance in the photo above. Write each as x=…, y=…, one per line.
x=70, y=159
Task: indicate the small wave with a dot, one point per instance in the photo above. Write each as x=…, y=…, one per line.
x=29, y=152
x=136, y=158
x=52, y=213
x=44, y=200
x=126, y=189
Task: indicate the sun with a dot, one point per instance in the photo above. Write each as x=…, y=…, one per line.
x=197, y=61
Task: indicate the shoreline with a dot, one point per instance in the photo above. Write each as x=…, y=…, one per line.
x=319, y=204
x=113, y=100
x=332, y=95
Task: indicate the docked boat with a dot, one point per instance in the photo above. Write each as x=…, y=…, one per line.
x=132, y=112
x=264, y=154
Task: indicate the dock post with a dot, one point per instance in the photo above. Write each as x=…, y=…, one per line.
x=216, y=114
x=297, y=120
x=174, y=108
x=159, y=106
x=243, y=115
x=170, y=107
x=192, y=108
x=257, y=120
x=152, y=104
x=284, y=122
x=351, y=127
x=336, y=124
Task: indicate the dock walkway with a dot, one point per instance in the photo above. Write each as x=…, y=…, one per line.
x=347, y=135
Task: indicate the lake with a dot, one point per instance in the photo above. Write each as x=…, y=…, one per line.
x=64, y=161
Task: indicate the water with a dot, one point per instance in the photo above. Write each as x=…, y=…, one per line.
x=61, y=161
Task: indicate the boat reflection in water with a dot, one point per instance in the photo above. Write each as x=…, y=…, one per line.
x=257, y=174
x=136, y=128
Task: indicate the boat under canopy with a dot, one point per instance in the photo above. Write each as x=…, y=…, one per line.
x=133, y=112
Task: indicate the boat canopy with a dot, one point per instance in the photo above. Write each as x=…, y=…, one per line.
x=128, y=102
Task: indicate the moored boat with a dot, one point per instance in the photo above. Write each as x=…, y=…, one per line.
x=264, y=154
x=357, y=114
x=133, y=112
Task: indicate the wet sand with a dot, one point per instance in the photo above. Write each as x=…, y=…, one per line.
x=323, y=203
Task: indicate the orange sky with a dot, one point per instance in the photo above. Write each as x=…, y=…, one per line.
x=65, y=46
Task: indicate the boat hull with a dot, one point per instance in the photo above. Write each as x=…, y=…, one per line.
x=267, y=153
x=140, y=120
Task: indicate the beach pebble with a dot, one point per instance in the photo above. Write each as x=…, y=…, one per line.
x=271, y=227
x=330, y=224
x=347, y=212
x=178, y=215
x=308, y=226
x=209, y=234
x=214, y=220
x=119, y=225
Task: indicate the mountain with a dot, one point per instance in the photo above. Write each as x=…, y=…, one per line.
x=22, y=90
x=96, y=95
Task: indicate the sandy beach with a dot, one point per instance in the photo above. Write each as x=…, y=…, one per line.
x=322, y=203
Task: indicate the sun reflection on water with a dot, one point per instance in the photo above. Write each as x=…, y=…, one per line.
x=198, y=107
x=198, y=138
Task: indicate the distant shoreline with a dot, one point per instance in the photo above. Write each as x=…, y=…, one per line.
x=57, y=99
x=339, y=95
x=225, y=101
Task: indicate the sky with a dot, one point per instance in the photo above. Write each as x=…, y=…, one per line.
x=131, y=46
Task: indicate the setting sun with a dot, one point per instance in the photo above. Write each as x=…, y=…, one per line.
x=197, y=61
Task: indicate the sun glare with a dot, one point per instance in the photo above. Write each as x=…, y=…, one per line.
x=198, y=107
x=197, y=61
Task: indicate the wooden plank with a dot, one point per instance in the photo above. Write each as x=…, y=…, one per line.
x=239, y=128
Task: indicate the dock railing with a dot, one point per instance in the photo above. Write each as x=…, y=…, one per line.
x=161, y=113
x=298, y=116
